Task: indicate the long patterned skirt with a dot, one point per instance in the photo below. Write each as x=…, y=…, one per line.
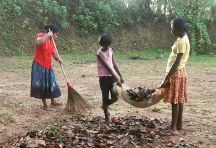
x=177, y=91
x=43, y=83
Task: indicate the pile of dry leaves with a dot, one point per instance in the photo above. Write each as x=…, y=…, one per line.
x=81, y=131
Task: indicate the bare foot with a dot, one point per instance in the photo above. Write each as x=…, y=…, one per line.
x=179, y=127
x=168, y=133
x=55, y=103
x=107, y=120
x=46, y=108
x=107, y=117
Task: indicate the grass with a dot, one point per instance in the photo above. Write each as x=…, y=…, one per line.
x=150, y=54
x=6, y=118
x=79, y=57
x=15, y=64
x=54, y=131
x=210, y=59
x=35, y=127
x=160, y=106
x=120, y=56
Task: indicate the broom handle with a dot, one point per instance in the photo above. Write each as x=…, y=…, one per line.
x=62, y=68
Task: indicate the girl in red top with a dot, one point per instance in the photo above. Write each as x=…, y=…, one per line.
x=43, y=81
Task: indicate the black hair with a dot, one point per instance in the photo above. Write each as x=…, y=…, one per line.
x=52, y=27
x=179, y=24
x=105, y=39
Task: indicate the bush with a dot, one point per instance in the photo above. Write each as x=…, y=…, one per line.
x=91, y=16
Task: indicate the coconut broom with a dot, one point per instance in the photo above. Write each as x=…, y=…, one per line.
x=76, y=104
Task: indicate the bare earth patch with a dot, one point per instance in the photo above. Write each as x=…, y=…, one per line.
x=19, y=113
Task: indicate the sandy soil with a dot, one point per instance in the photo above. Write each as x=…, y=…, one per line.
x=199, y=114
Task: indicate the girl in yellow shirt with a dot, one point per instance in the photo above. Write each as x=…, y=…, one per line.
x=175, y=80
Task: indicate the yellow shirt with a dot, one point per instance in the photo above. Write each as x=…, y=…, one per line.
x=181, y=45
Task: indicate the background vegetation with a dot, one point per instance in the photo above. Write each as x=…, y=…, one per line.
x=20, y=20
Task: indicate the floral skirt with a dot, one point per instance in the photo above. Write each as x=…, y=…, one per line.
x=177, y=90
x=43, y=83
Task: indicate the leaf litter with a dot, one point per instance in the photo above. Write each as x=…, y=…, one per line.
x=83, y=131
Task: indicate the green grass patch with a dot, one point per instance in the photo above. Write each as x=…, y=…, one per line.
x=54, y=131
x=150, y=54
x=80, y=57
x=6, y=118
x=16, y=64
x=159, y=107
x=120, y=56
x=210, y=59
x=35, y=127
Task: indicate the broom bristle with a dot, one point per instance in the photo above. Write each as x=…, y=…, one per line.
x=76, y=104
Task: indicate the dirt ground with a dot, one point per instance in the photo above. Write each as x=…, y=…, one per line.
x=15, y=103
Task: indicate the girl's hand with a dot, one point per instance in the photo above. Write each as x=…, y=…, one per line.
x=121, y=79
x=164, y=84
x=119, y=83
x=60, y=61
x=49, y=34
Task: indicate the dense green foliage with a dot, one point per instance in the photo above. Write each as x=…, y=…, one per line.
x=198, y=14
x=90, y=16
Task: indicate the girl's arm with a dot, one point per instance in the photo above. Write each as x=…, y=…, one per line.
x=56, y=57
x=101, y=59
x=40, y=40
x=117, y=70
x=172, y=69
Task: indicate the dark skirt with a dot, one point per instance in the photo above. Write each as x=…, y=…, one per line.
x=43, y=83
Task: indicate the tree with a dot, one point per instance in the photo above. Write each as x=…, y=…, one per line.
x=198, y=14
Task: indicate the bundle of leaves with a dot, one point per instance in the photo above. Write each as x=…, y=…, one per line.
x=140, y=94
